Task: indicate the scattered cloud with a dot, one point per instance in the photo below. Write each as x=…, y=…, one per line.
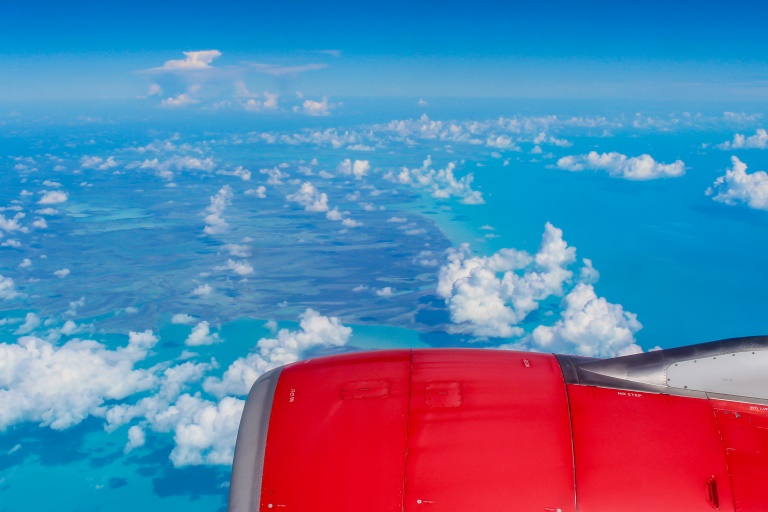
x=314, y=108
x=204, y=431
x=154, y=90
x=310, y=198
x=53, y=197
x=7, y=288
x=260, y=192
x=214, y=221
x=238, y=250
x=757, y=141
x=642, y=167
x=589, y=326
x=203, y=290
x=485, y=303
x=182, y=100
x=10, y=225
x=98, y=163
x=239, y=171
x=183, y=319
x=268, y=103
x=242, y=268
x=201, y=335
x=62, y=273
x=192, y=61
x=492, y=296
x=350, y=223
x=739, y=187
x=358, y=168
x=59, y=386
x=136, y=439
x=315, y=330
x=442, y=183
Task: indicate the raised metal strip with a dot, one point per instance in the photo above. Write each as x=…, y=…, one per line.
x=248, y=466
x=647, y=372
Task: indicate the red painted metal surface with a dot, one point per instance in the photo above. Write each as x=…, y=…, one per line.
x=641, y=451
x=337, y=435
x=744, y=430
x=488, y=432
x=449, y=430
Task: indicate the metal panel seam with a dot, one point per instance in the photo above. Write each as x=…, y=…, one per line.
x=407, y=428
x=573, y=443
x=725, y=452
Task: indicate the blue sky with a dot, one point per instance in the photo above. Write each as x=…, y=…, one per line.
x=596, y=49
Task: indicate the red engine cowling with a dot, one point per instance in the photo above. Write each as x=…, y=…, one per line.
x=482, y=430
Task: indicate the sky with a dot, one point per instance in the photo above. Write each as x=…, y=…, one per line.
x=596, y=49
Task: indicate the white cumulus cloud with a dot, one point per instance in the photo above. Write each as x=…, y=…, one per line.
x=310, y=198
x=214, y=221
x=182, y=100
x=757, y=141
x=183, y=319
x=490, y=296
x=53, y=197
x=136, y=438
x=315, y=330
x=242, y=268
x=201, y=335
x=442, y=183
x=358, y=168
x=589, y=326
x=11, y=224
x=202, y=290
x=260, y=192
x=7, y=288
x=98, y=163
x=205, y=431
x=642, y=167
x=59, y=386
x=193, y=61
x=739, y=187
x=315, y=108
x=31, y=322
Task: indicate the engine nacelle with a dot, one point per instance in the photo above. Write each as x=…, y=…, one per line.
x=487, y=430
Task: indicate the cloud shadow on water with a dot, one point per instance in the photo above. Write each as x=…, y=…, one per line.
x=51, y=447
x=190, y=481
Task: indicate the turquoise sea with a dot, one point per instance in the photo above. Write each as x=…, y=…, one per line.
x=134, y=243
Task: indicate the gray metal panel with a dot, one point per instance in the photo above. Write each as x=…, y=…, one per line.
x=739, y=373
x=649, y=371
x=248, y=466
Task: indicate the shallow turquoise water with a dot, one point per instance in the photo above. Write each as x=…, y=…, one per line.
x=693, y=270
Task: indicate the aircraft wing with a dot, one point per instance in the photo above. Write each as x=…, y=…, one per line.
x=461, y=430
